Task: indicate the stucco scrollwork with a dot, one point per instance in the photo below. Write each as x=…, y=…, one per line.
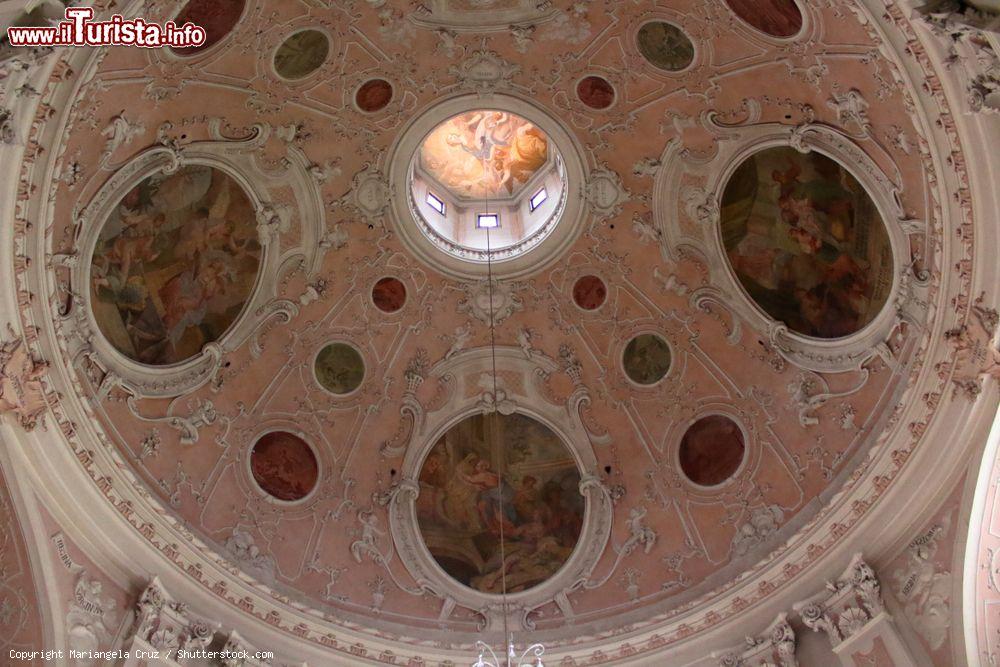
x=302, y=218
x=691, y=224
x=466, y=371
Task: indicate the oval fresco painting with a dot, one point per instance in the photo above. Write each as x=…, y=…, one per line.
x=301, y=54
x=778, y=18
x=590, y=292
x=806, y=242
x=496, y=470
x=712, y=450
x=373, y=95
x=174, y=265
x=646, y=359
x=284, y=466
x=340, y=368
x=665, y=46
x=217, y=17
x=389, y=294
x=596, y=92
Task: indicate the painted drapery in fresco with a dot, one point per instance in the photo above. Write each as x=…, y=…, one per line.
x=174, y=265
x=806, y=242
x=483, y=154
x=464, y=499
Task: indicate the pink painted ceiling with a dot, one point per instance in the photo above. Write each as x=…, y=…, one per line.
x=705, y=538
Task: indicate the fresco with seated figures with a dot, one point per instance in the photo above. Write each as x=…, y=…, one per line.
x=497, y=472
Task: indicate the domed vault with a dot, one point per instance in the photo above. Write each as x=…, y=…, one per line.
x=683, y=305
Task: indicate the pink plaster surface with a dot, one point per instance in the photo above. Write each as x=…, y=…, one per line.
x=207, y=486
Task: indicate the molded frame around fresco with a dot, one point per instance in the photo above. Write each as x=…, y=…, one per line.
x=564, y=420
x=734, y=144
x=543, y=250
x=235, y=160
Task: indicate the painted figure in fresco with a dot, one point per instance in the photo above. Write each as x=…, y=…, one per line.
x=484, y=152
x=173, y=264
x=465, y=502
x=806, y=242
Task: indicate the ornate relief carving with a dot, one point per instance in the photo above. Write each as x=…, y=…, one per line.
x=485, y=71
x=236, y=158
x=606, y=194
x=21, y=390
x=166, y=626
x=468, y=369
x=775, y=647
x=925, y=589
x=852, y=614
x=700, y=204
x=489, y=307
x=483, y=16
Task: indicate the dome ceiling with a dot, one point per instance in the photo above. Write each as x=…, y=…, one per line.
x=705, y=363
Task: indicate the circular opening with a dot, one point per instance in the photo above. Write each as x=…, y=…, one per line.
x=373, y=95
x=463, y=501
x=284, y=466
x=487, y=181
x=665, y=46
x=174, y=265
x=339, y=368
x=217, y=17
x=301, y=54
x=778, y=18
x=596, y=92
x=590, y=292
x=646, y=359
x=806, y=242
x=389, y=295
x=712, y=450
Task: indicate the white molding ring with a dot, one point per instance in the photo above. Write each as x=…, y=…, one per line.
x=564, y=420
x=702, y=207
x=544, y=251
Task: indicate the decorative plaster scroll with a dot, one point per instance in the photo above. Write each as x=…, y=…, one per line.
x=237, y=158
x=466, y=369
x=852, y=614
x=485, y=71
x=700, y=204
x=483, y=16
x=536, y=253
x=775, y=647
x=21, y=391
x=166, y=626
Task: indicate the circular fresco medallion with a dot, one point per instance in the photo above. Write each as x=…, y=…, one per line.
x=389, y=295
x=712, y=450
x=778, y=18
x=339, y=368
x=301, y=54
x=174, y=265
x=217, y=17
x=373, y=95
x=596, y=92
x=495, y=469
x=284, y=466
x=806, y=242
x=665, y=46
x=590, y=293
x=646, y=359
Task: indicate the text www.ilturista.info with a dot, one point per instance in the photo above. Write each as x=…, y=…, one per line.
x=79, y=30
